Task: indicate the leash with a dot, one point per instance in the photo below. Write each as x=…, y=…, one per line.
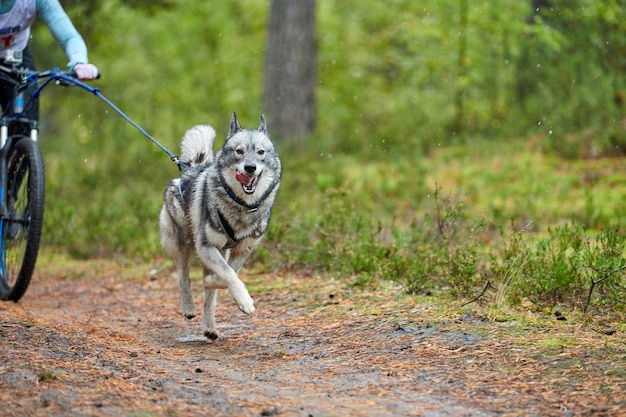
x=174, y=158
x=62, y=77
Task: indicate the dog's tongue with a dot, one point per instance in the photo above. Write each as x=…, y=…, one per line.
x=243, y=178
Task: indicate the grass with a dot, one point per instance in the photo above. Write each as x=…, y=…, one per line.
x=501, y=219
x=47, y=375
x=65, y=266
x=517, y=180
x=501, y=223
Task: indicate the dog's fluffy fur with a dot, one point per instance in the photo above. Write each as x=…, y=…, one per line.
x=219, y=209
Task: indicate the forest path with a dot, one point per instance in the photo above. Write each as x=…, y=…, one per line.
x=108, y=341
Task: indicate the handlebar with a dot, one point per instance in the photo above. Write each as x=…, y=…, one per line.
x=22, y=78
x=21, y=75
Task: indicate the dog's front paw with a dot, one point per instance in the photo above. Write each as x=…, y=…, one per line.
x=242, y=298
x=247, y=306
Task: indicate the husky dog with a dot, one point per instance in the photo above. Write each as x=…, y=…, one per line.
x=219, y=209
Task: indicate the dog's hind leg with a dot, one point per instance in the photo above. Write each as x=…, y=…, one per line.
x=174, y=241
x=209, y=326
x=184, y=284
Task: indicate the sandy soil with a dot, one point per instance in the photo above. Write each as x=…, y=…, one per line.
x=103, y=339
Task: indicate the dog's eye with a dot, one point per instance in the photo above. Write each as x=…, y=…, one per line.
x=260, y=152
x=239, y=151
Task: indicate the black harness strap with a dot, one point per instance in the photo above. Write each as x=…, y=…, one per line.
x=251, y=207
x=228, y=230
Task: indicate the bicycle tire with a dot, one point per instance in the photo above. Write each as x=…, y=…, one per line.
x=21, y=229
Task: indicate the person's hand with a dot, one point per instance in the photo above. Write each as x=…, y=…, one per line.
x=85, y=72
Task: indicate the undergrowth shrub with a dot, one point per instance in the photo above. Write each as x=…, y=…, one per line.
x=448, y=250
x=604, y=269
x=457, y=244
x=441, y=251
x=505, y=264
x=549, y=273
x=566, y=267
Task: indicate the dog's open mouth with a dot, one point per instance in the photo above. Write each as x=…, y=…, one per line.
x=248, y=182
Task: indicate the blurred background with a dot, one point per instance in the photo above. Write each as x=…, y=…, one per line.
x=393, y=119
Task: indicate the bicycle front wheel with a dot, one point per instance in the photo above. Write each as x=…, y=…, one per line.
x=21, y=228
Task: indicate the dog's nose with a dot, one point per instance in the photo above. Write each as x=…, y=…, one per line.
x=250, y=168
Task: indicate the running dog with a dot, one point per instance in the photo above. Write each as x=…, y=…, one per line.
x=219, y=209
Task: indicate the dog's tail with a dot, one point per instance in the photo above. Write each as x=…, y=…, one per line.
x=196, y=147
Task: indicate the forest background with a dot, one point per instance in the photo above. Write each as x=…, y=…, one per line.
x=459, y=146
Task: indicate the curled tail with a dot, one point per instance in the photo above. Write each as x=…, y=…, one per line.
x=196, y=147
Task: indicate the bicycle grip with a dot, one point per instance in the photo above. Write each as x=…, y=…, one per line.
x=74, y=75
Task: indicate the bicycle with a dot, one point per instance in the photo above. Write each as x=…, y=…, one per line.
x=22, y=179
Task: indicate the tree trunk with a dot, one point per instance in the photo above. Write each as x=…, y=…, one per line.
x=290, y=69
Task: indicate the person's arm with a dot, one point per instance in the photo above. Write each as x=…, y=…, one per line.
x=62, y=29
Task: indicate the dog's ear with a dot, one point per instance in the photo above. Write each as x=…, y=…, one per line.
x=234, y=125
x=263, y=126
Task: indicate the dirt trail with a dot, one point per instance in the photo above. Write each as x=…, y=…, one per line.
x=103, y=344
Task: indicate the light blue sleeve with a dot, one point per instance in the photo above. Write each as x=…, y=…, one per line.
x=61, y=27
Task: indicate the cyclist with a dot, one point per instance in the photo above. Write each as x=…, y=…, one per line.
x=16, y=18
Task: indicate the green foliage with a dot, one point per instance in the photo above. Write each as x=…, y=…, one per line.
x=384, y=220
x=571, y=77
x=563, y=268
x=104, y=179
x=441, y=252
x=544, y=271
x=603, y=264
x=365, y=198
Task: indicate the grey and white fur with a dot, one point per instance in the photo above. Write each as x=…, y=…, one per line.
x=219, y=209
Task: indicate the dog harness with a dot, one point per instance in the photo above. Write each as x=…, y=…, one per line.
x=228, y=231
x=226, y=227
x=252, y=207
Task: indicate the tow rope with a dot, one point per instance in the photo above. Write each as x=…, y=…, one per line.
x=71, y=80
